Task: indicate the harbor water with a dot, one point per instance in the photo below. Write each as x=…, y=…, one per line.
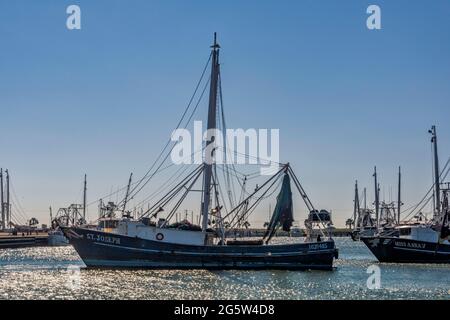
x=58, y=273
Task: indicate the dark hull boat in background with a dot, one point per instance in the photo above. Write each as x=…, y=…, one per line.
x=398, y=250
x=426, y=242
x=147, y=243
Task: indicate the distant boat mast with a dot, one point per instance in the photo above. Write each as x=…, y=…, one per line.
x=436, y=171
x=377, y=196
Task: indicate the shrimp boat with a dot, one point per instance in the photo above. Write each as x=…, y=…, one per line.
x=149, y=242
x=421, y=241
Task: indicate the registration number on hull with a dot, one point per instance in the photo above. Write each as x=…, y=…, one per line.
x=318, y=246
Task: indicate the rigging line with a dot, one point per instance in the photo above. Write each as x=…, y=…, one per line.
x=302, y=191
x=423, y=206
x=13, y=216
x=242, y=175
x=168, y=154
x=14, y=205
x=431, y=188
x=263, y=197
x=134, y=183
x=267, y=161
x=17, y=218
x=252, y=208
x=218, y=218
x=15, y=195
x=167, y=198
x=183, y=197
x=157, y=193
x=258, y=200
x=244, y=192
x=216, y=182
x=168, y=182
x=19, y=213
x=308, y=201
x=231, y=196
x=178, y=125
x=108, y=195
x=137, y=183
x=243, y=189
x=22, y=211
x=225, y=126
x=427, y=201
x=256, y=191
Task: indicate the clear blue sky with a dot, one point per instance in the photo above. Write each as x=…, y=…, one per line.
x=104, y=99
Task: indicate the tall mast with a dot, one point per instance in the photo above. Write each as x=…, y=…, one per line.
x=436, y=170
x=84, y=197
x=2, y=200
x=356, y=205
x=208, y=164
x=377, y=200
x=127, y=194
x=8, y=211
x=399, y=199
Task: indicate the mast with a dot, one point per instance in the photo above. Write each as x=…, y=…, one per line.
x=127, y=194
x=399, y=200
x=208, y=163
x=377, y=200
x=356, y=206
x=84, y=197
x=2, y=200
x=8, y=212
x=436, y=171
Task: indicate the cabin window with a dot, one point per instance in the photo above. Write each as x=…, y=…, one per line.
x=405, y=231
x=110, y=224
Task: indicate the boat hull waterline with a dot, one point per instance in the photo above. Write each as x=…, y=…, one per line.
x=103, y=250
x=398, y=250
